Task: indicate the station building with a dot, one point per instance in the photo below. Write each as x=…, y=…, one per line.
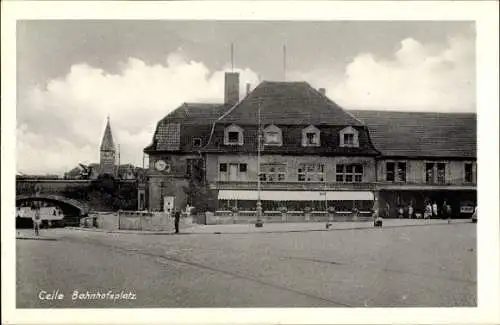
x=313, y=154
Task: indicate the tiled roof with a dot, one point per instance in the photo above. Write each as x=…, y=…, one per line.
x=195, y=113
x=292, y=142
x=107, y=143
x=195, y=120
x=412, y=134
x=288, y=103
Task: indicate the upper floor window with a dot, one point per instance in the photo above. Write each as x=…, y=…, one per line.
x=441, y=173
x=311, y=136
x=233, y=135
x=349, y=137
x=311, y=173
x=395, y=171
x=233, y=171
x=196, y=142
x=349, y=173
x=272, y=172
x=435, y=173
x=272, y=136
x=468, y=173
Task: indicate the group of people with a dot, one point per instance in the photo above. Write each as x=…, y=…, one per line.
x=430, y=210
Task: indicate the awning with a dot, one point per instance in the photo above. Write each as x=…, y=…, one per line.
x=296, y=195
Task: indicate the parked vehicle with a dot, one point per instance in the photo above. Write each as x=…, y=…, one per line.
x=467, y=209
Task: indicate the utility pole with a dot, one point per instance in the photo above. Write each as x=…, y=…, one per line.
x=232, y=57
x=118, y=168
x=284, y=62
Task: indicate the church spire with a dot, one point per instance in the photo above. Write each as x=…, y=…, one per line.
x=107, y=143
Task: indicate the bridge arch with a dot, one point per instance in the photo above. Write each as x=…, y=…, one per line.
x=79, y=206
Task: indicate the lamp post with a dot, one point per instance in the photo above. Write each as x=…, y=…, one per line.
x=259, y=143
x=162, y=204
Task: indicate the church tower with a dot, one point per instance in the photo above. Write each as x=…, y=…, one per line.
x=107, y=157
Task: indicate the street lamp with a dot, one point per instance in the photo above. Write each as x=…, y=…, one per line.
x=162, y=204
x=259, y=223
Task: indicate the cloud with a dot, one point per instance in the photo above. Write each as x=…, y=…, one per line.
x=62, y=124
x=419, y=77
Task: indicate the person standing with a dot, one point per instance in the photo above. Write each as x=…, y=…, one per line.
x=434, y=209
x=177, y=217
x=387, y=213
x=428, y=211
x=447, y=211
x=410, y=211
x=36, y=222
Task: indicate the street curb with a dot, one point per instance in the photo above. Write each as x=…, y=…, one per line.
x=143, y=232
x=259, y=232
x=317, y=230
x=36, y=238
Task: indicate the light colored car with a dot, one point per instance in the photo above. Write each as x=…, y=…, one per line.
x=474, y=216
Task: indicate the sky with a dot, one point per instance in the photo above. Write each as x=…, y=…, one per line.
x=71, y=75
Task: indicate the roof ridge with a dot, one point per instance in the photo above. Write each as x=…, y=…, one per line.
x=410, y=112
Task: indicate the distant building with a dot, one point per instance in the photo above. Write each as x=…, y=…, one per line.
x=107, y=152
x=314, y=154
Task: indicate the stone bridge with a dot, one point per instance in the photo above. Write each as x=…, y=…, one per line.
x=80, y=207
x=70, y=194
x=52, y=190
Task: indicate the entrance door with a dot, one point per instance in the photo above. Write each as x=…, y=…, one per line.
x=233, y=172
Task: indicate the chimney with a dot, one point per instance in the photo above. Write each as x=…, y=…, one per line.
x=248, y=88
x=322, y=91
x=231, y=88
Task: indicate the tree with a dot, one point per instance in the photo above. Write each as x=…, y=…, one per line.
x=200, y=196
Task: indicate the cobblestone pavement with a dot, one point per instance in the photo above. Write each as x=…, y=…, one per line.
x=403, y=265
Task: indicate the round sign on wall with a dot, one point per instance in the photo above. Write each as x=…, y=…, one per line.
x=161, y=165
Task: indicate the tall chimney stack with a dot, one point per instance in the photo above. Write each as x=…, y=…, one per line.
x=231, y=88
x=322, y=91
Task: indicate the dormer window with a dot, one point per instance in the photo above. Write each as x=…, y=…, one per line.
x=233, y=135
x=196, y=142
x=310, y=137
x=272, y=136
x=349, y=137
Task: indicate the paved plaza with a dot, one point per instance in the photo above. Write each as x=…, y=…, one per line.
x=412, y=264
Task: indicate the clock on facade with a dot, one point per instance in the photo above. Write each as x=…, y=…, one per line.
x=161, y=165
